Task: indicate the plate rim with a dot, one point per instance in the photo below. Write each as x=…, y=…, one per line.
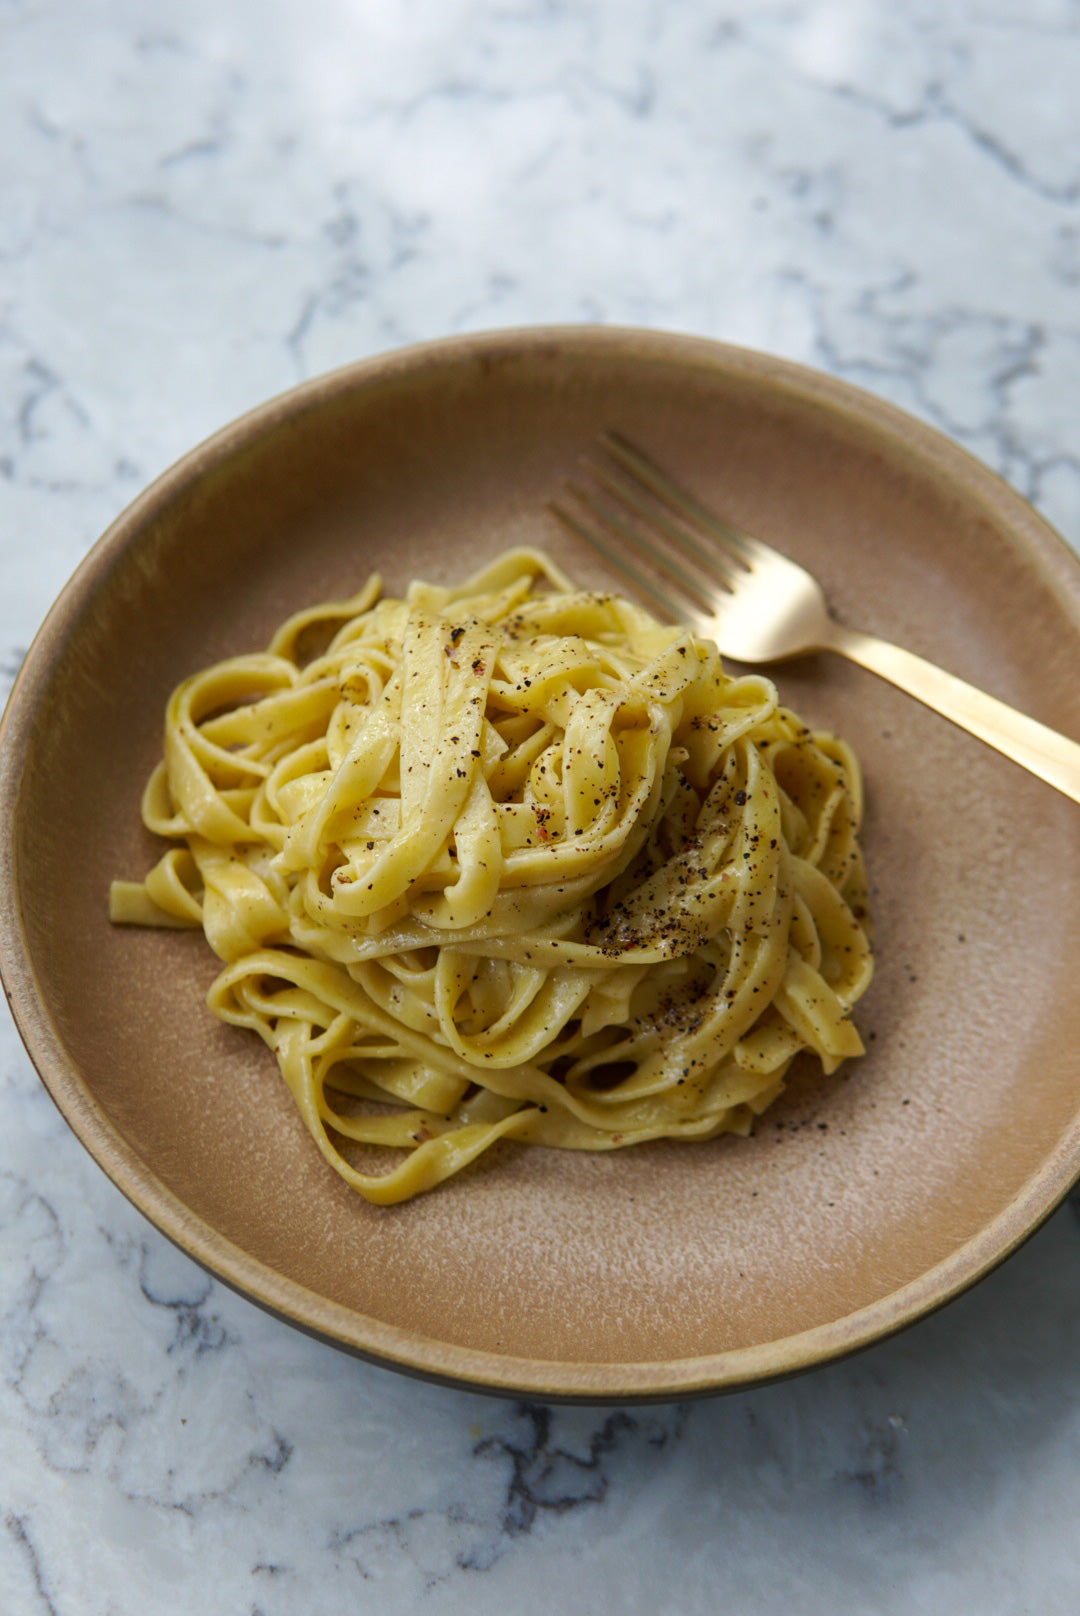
x=364, y=1335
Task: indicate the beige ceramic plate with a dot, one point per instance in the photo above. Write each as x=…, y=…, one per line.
x=866, y=1199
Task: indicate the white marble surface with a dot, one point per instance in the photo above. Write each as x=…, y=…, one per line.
x=201, y=203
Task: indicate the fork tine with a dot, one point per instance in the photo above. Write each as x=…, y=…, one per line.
x=642, y=582
x=614, y=517
x=714, y=564
x=648, y=475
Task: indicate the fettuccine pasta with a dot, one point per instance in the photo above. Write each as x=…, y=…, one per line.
x=509, y=860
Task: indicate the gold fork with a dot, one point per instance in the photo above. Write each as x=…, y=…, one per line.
x=760, y=607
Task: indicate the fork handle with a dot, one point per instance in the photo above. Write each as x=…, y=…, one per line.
x=1053, y=757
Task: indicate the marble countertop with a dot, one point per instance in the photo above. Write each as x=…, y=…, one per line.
x=201, y=204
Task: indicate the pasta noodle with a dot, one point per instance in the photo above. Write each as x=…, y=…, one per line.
x=509, y=860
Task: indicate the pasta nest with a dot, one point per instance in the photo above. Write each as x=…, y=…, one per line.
x=509, y=860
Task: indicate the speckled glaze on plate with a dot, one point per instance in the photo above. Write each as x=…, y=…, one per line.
x=865, y=1199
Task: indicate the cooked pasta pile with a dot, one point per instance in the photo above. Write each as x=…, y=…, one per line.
x=509, y=860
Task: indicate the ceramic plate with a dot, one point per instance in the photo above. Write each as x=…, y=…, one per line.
x=865, y=1199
